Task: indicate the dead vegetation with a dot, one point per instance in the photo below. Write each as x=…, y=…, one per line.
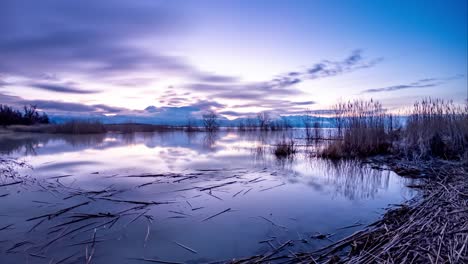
x=432, y=228
x=364, y=128
x=434, y=128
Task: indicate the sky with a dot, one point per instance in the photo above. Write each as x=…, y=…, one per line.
x=237, y=58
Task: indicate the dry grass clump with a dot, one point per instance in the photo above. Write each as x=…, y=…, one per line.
x=364, y=127
x=285, y=148
x=436, y=128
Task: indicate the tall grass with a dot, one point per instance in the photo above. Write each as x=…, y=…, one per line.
x=364, y=128
x=436, y=127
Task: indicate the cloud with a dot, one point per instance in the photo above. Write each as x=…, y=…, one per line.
x=3, y=83
x=53, y=106
x=282, y=85
x=94, y=38
x=326, y=68
x=422, y=83
x=214, y=78
x=116, y=42
x=61, y=88
x=98, y=40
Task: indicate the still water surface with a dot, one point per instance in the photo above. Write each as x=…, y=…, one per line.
x=115, y=178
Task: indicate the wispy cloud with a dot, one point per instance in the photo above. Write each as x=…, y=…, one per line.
x=327, y=68
x=423, y=83
x=283, y=85
x=61, y=88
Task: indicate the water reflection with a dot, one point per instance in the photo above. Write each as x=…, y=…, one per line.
x=28, y=144
x=318, y=194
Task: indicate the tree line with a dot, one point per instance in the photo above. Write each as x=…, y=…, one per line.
x=29, y=116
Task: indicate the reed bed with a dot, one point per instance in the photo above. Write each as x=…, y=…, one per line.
x=433, y=128
x=363, y=126
x=436, y=128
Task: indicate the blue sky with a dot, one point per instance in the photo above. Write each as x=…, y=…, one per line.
x=234, y=57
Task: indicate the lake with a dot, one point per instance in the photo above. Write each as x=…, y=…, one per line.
x=179, y=197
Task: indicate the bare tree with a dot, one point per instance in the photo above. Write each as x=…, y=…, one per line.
x=263, y=120
x=210, y=121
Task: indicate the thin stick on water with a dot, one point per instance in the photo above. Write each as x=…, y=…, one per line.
x=185, y=247
x=208, y=218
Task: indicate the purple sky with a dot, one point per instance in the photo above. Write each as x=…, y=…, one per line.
x=234, y=57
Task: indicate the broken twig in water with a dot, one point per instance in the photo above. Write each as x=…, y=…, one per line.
x=187, y=248
x=157, y=261
x=217, y=186
x=208, y=218
x=271, y=222
x=11, y=183
x=269, y=188
x=52, y=215
x=135, y=202
x=237, y=193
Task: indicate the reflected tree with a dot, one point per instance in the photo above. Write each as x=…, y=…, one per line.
x=210, y=121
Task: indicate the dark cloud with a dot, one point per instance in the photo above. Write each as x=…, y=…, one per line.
x=52, y=106
x=61, y=88
x=207, y=105
x=423, y=83
x=213, y=78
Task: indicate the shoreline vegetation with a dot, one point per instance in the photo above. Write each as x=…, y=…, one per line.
x=430, y=145
x=430, y=228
